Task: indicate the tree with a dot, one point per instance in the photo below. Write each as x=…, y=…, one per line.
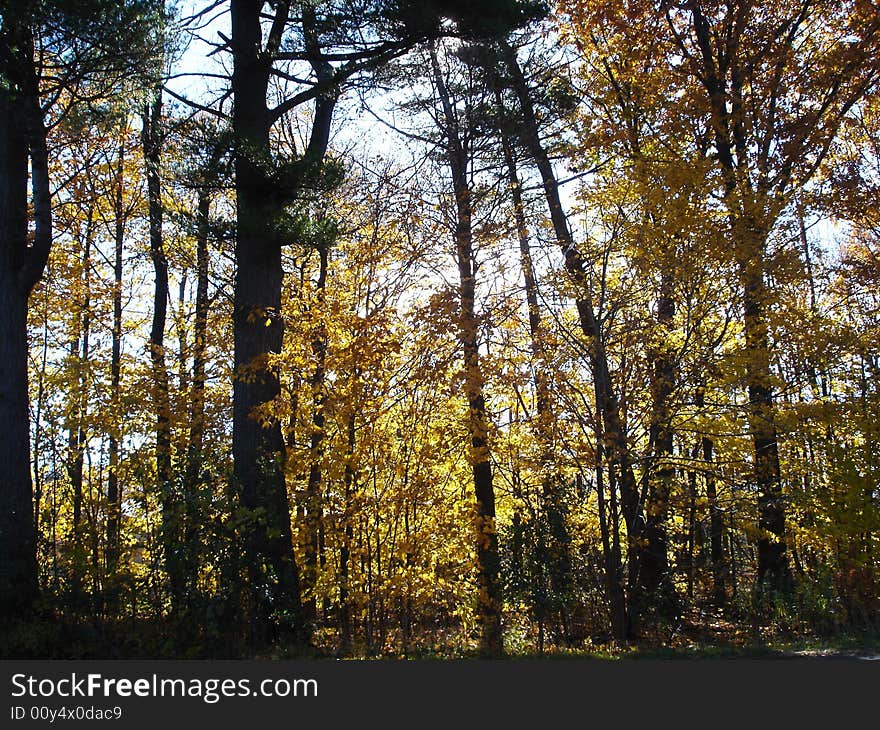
x=265, y=186
x=772, y=86
x=612, y=435
x=458, y=143
x=46, y=51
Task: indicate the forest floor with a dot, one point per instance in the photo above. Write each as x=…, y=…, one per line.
x=719, y=638
x=698, y=636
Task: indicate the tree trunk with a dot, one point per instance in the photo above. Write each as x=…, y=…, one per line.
x=749, y=238
x=557, y=551
x=18, y=564
x=114, y=494
x=257, y=443
x=716, y=515
x=347, y=538
x=716, y=529
x=773, y=570
x=80, y=350
x=488, y=562
x=654, y=587
x=313, y=512
x=611, y=551
x=692, y=523
x=168, y=494
x=196, y=438
x=38, y=416
x=195, y=442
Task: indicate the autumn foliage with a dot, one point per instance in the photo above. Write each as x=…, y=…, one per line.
x=420, y=337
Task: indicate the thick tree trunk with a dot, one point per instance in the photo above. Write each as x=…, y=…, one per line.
x=749, y=236
x=654, y=587
x=773, y=569
x=257, y=444
x=18, y=565
x=488, y=563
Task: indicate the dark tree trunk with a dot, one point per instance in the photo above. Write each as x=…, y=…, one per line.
x=716, y=528
x=38, y=429
x=18, y=565
x=692, y=524
x=773, y=569
x=654, y=586
x=196, y=438
x=749, y=238
x=169, y=497
x=611, y=550
x=347, y=538
x=488, y=562
x=80, y=350
x=257, y=443
x=716, y=515
x=195, y=442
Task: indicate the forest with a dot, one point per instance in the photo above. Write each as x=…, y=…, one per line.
x=431, y=328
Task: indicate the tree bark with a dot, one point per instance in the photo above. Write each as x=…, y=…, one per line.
x=773, y=569
x=347, y=539
x=18, y=564
x=654, y=585
x=195, y=441
x=257, y=443
x=610, y=535
x=38, y=428
x=716, y=514
x=80, y=350
x=749, y=237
